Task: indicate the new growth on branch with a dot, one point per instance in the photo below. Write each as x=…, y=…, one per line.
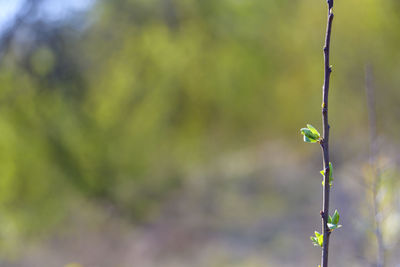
x=311, y=135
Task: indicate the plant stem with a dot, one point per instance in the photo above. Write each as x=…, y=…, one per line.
x=325, y=141
x=380, y=261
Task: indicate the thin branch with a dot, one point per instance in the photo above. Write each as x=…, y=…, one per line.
x=325, y=141
x=369, y=87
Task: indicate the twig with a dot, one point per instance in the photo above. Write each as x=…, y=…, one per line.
x=325, y=141
x=369, y=87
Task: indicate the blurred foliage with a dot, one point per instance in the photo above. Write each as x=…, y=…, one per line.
x=121, y=108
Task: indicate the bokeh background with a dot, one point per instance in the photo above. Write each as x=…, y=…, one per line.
x=166, y=132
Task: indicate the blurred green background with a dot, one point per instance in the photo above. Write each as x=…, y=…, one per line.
x=166, y=132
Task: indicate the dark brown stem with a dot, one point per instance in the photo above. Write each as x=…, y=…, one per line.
x=369, y=87
x=325, y=142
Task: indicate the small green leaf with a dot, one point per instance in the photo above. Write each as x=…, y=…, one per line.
x=335, y=217
x=313, y=130
x=330, y=172
x=309, y=136
x=320, y=240
x=333, y=221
